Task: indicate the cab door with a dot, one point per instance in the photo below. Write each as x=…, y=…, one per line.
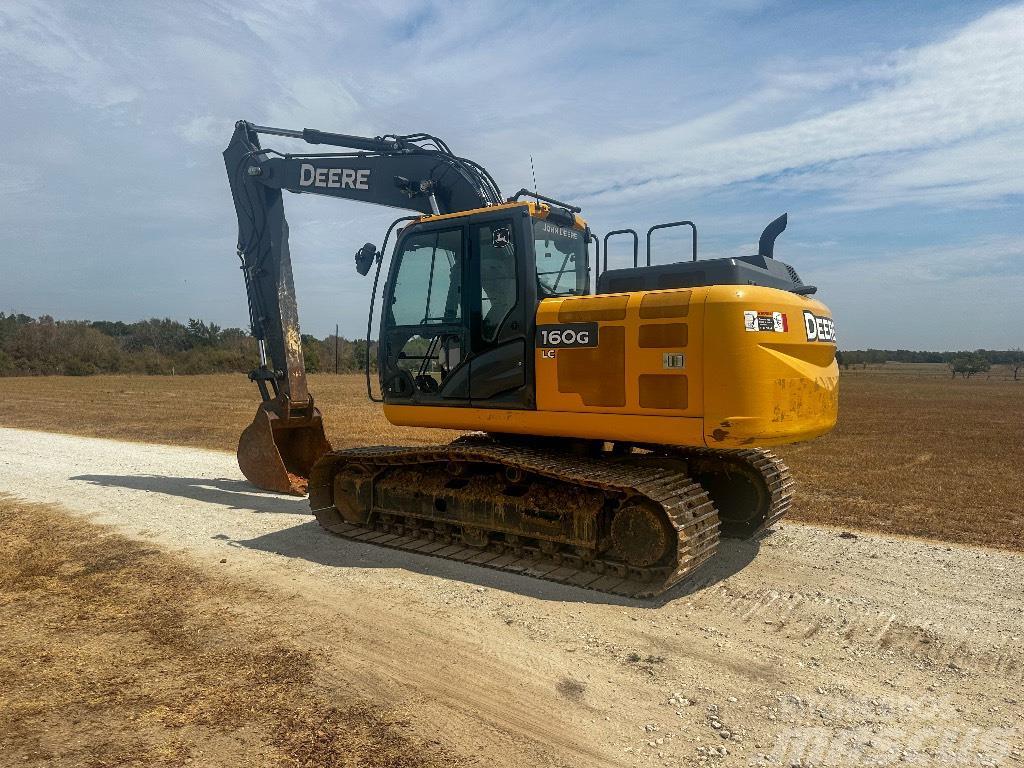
x=458, y=314
x=424, y=336
x=501, y=311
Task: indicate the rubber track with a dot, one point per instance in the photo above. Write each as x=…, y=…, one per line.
x=684, y=502
x=774, y=472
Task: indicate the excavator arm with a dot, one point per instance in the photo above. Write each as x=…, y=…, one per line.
x=415, y=172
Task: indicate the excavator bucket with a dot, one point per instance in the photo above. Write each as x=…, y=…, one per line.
x=276, y=452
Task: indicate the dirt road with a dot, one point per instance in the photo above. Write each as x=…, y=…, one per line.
x=814, y=645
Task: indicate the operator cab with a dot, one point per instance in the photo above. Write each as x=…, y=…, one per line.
x=460, y=302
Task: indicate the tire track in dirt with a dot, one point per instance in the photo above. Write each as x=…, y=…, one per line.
x=455, y=676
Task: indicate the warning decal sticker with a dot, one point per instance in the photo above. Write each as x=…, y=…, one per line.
x=768, y=322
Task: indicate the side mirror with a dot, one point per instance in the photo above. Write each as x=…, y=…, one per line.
x=365, y=257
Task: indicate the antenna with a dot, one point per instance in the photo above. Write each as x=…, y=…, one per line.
x=536, y=192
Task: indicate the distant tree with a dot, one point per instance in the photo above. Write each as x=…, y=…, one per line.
x=203, y=335
x=109, y=328
x=9, y=325
x=358, y=355
x=1016, y=362
x=851, y=358
x=69, y=347
x=968, y=365
x=311, y=353
x=233, y=336
x=163, y=336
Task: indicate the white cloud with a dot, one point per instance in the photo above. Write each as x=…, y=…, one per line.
x=960, y=296
x=204, y=129
x=979, y=258
x=216, y=71
x=932, y=97
x=39, y=39
x=18, y=180
x=311, y=101
x=976, y=172
x=970, y=172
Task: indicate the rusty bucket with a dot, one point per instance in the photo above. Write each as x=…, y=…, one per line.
x=278, y=449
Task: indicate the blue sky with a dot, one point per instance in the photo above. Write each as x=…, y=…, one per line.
x=893, y=134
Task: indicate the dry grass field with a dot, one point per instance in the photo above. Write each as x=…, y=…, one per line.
x=914, y=453
x=116, y=654
x=205, y=411
x=919, y=454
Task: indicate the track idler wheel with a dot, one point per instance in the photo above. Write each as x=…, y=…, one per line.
x=276, y=453
x=640, y=535
x=739, y=492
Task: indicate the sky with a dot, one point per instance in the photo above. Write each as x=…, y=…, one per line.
x=893, y=134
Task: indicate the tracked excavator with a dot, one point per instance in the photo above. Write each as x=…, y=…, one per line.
x=614, y=432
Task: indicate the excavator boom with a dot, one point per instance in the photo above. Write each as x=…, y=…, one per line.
x=416, y=172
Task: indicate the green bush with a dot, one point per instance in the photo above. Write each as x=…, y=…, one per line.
x=77, y=367
x=6, y=364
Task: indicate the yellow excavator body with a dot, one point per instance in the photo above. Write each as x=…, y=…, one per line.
x=620, y=418
x=717, y=367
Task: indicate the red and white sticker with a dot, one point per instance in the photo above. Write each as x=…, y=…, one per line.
x=767, y=322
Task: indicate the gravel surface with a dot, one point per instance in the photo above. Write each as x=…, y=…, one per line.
x=815, y=646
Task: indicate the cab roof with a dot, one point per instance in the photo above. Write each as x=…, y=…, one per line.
x=537, y=210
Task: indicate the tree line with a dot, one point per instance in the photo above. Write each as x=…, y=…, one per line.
x=966, y=363
x=43, y=346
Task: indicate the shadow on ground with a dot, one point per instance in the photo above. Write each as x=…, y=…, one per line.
x=236, y=494
x=308, y=541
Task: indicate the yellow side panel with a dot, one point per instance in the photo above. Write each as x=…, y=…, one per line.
x=722, y=366
x=766, y=387
x=626, y=373
x=687, y=353
x=588, y=426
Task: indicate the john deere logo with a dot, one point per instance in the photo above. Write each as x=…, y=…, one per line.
x=333, y=178
x=819, y=328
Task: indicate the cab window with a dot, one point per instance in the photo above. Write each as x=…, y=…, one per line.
x=499, y=286
x=561, y=257
x=428, y=285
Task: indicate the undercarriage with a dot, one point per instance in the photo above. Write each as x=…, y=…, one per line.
x=628, y=520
